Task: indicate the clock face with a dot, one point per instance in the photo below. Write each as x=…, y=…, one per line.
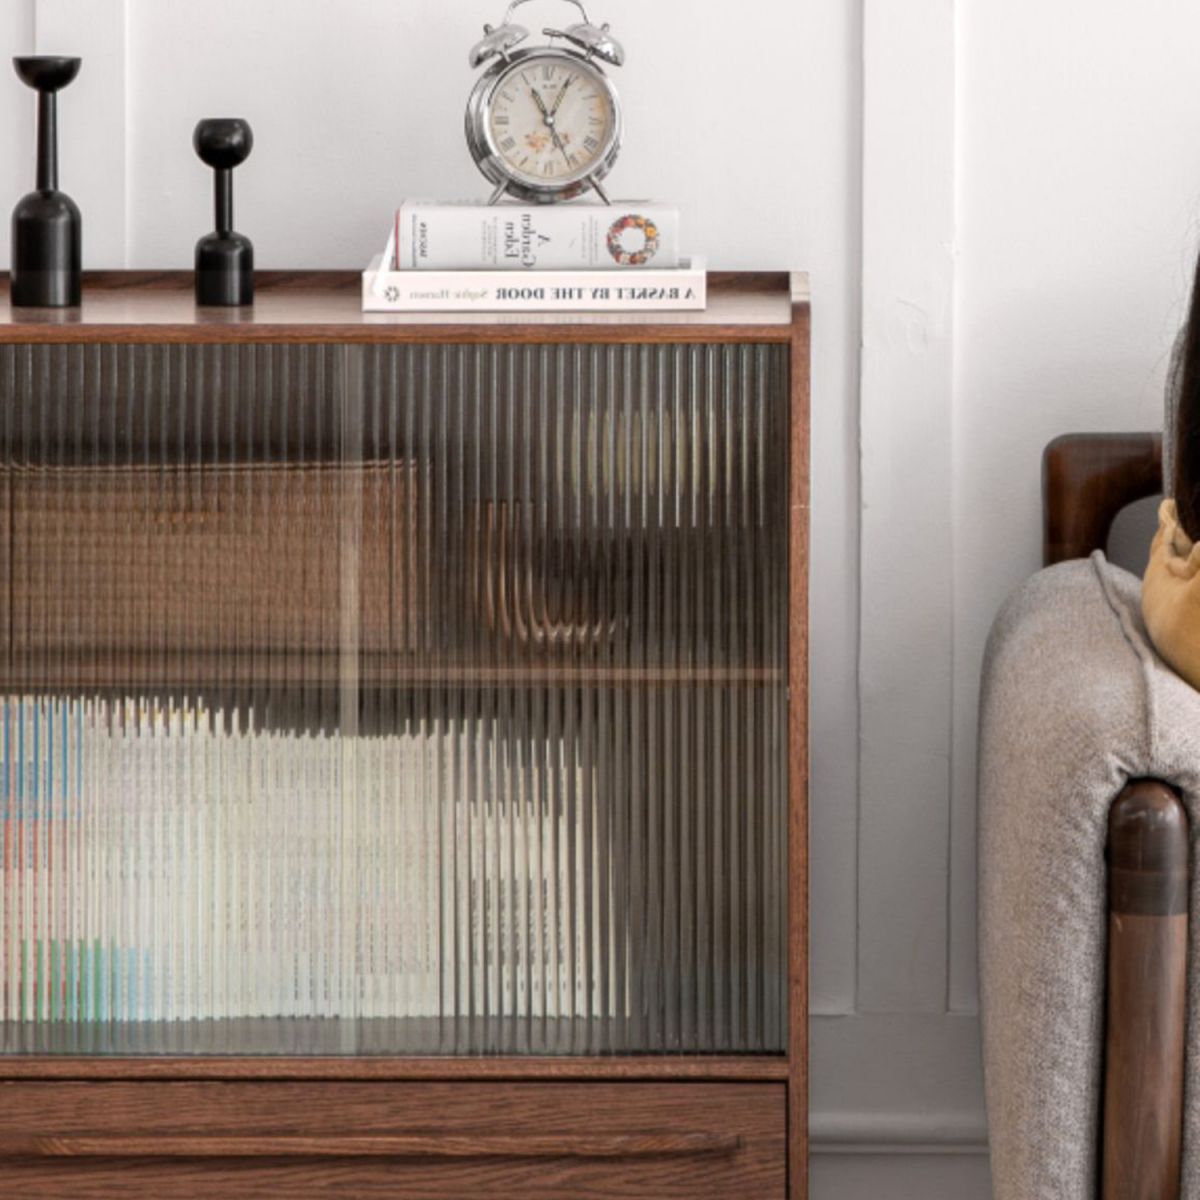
x=551, y=119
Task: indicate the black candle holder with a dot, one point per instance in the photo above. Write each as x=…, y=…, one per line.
x=224, y=259
x=47, y=229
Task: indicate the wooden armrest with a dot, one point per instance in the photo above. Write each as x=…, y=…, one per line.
x=1087, y=478
x=1146, y=1012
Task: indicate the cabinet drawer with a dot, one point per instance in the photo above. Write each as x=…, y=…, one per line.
x=496, y=1140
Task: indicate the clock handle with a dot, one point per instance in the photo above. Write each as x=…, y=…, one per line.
x=517, y=4
x=593, y=40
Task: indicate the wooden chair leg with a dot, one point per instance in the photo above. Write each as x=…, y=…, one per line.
x=1147, y=983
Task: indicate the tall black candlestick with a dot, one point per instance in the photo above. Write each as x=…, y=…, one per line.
x=47, y=229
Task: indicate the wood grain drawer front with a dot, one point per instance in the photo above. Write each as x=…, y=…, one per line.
x=502, y=1141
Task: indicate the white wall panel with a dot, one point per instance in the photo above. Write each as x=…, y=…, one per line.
x=357, y=104
x=1079, y=201
x=826, y=114
x=906, y=402
x=91, y=117
x=16, y=113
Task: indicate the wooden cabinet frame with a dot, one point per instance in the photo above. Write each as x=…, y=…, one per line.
x=154, y=308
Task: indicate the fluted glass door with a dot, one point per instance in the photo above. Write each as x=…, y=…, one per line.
x=393, y=699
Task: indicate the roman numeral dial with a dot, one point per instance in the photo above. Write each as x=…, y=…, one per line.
x=551, y=119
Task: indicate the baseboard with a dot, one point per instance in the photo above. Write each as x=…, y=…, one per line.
x=927, y=1134
x=908, y=1176
x=890, y=1085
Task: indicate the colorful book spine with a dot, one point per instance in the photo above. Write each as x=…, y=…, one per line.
x=627, y=235
x=681, y=289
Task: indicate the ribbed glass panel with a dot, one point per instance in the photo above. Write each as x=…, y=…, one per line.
x=393, y=699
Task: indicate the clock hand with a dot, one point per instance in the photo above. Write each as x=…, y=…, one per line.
x=559, y=143
x=548, y=118
x=561, y=93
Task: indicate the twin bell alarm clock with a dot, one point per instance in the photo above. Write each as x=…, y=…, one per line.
x=544, y=122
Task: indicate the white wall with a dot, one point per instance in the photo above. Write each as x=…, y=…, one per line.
x=997, y=203
x=1079, y=192
x=1031, y=191
x=16, y=130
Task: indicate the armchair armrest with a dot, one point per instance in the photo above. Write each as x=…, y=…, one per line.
x=1087, y=478
x=1075, y=706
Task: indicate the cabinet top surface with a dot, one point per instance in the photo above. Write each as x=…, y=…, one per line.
x=320, y=306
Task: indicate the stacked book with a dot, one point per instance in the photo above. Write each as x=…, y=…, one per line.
x=168, y=861
x=534, y=258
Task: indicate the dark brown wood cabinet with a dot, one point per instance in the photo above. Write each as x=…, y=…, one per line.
x=404, y=747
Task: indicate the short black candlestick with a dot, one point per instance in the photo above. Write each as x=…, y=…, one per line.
x=224, y=259
x=47, y=230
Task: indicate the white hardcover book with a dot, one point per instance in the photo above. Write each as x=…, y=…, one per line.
x=625, y=235
x=682, y=289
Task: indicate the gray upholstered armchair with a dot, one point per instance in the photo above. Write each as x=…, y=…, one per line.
x=1089, y=771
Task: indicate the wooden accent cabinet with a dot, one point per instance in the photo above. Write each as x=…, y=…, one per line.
x=403, y=747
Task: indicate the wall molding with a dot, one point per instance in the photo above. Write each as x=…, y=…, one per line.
x=906, y=563
x=928, y=1133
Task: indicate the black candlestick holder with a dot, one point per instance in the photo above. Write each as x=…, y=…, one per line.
x=224, y=259
x=47, y=229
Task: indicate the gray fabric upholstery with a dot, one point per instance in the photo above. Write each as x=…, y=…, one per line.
x=1075, y=702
